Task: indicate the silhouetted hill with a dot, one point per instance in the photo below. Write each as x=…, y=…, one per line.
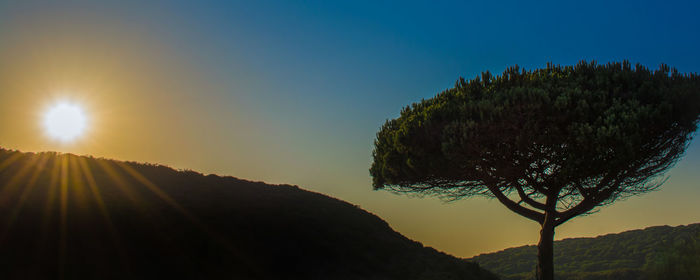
x=660, y=252
x=73, y=217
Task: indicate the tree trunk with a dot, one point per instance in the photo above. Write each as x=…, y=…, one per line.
x=545, y=249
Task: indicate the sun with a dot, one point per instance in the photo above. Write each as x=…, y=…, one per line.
x=65, y=121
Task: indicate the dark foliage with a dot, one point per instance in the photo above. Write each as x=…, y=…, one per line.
x=549, y=144
x=582, y=135
x=681, y=260
x=71, y=217
x=661, y=252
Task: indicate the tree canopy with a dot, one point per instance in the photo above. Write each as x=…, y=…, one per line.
x=559, y=139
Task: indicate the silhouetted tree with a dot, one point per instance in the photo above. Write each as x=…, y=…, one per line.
x=549, y=144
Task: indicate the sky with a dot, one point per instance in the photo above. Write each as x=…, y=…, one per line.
x=294, y=91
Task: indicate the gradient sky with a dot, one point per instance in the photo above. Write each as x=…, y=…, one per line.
x=294, y=92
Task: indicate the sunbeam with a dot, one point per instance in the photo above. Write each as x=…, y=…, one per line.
x=11, y=159
x=92, y=185
x=15, y=180
x=130, y=191
x=170, y=201
x=48, y=206
x=121, y=183
x=77, y=184
x=160, y=193
x=95, y=190
x=63, y=216
x=26, y=191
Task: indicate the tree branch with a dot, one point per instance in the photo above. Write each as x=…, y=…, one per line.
x=515, y=207
x=527, y=199
x=589, y=203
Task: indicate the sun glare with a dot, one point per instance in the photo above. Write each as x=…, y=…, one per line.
x=65, y=121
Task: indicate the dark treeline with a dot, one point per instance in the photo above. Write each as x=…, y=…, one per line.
x=71, y=217
x=660, y=252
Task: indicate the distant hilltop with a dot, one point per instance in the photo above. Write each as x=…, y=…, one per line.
x=76, y=217
x=660, y=252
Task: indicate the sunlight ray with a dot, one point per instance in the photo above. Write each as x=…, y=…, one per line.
x=39, y=166
x=8, y=161
x=158, y=192
x=63, y=231
x=15, y=180
x=141, y=205
x=77, y=187
x=223, y=240
x=121, y=184
x=48, y=206
x=92, y=185
x=53, y=185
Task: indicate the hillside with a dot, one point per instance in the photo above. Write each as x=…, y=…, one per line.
x=660, y=252
x=73, y=217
